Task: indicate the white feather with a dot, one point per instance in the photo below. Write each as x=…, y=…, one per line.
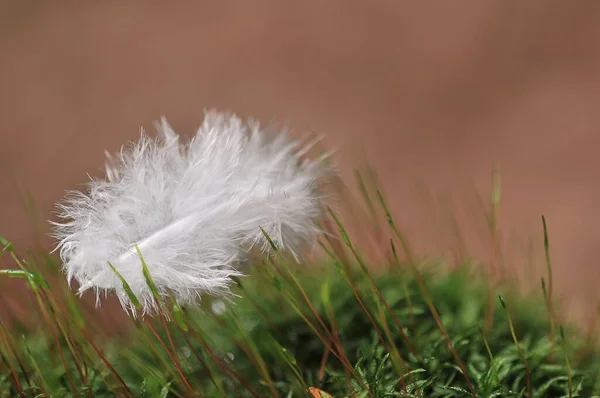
x=194, y=210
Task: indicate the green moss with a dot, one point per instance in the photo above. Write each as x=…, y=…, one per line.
x=263, y=338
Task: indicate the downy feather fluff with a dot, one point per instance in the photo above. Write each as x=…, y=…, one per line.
x=194, y=210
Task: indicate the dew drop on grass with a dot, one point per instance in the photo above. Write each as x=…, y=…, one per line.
x=218, y=307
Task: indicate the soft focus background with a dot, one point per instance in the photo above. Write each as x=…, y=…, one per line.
x=431, y=94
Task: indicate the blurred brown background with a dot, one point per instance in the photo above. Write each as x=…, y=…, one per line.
x=430, y=93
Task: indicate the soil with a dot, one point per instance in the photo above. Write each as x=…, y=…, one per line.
x=431, y=97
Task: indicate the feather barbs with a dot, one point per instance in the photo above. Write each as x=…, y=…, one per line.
x=193, y=209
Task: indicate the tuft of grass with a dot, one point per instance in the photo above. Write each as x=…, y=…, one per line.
x=338, y=327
